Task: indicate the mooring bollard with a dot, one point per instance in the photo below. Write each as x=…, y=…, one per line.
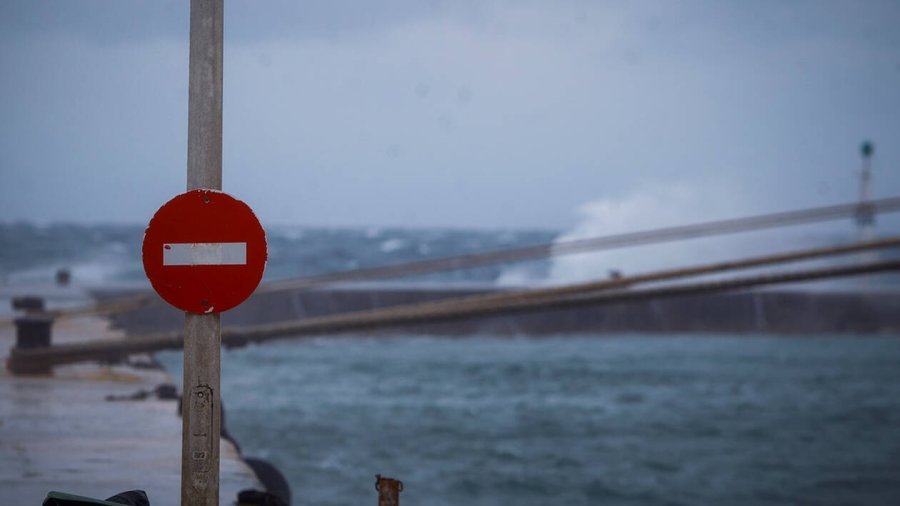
x=63, y=276
x=388, y=490
x=32, y=331
x=28, y=303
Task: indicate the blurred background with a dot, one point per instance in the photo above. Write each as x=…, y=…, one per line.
x=369, y=133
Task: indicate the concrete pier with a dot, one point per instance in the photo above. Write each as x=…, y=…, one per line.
x=95, y=430
x=783, y=312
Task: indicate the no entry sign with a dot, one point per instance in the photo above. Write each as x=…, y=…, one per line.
x=204, y=251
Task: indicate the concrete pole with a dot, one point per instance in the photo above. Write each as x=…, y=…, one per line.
x=201, y=414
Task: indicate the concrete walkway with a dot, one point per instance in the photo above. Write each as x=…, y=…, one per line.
x=59, y=432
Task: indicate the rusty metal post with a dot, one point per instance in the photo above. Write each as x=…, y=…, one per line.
x=388, y=490
x=201, y=416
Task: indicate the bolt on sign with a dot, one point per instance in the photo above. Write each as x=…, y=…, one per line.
x=204, y=251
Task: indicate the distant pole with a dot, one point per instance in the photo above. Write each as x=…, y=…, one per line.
x=201, y=415
x=865, y=215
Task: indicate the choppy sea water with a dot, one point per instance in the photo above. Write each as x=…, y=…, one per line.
x=481, y=420
x=98, y=255
x=700, y=420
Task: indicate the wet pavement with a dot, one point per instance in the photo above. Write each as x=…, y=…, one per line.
x=61, y=432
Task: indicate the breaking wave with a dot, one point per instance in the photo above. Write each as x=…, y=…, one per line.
x=660, y=206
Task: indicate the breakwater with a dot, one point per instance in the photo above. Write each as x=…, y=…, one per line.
x=761, y=311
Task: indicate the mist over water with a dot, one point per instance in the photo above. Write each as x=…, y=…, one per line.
x=99, y=255
x=103, y=254
x=656, y=207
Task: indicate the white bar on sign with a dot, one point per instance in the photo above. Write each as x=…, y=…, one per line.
x=205, y=253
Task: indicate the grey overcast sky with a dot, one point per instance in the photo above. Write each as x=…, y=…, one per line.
x=485, y=113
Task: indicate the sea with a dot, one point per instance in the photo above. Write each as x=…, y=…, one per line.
x=624, y=419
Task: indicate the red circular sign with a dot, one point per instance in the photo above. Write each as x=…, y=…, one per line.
x=204, y=251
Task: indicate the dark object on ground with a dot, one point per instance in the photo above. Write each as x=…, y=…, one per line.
x=167, y=391
x=28, y=304
x=257, y=498
x=33, y=331
x=271, y=478
x=130, y=498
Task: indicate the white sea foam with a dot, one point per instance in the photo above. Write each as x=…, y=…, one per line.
x=660, y=206
x=92, y=273
x=391, y=245
x=289, y=232
x=518, y=277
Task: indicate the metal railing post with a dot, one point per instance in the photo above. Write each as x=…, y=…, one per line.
x=388, y=490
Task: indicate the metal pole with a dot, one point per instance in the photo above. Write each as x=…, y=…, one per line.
x=201, y=417
x=865, y=215
x=388, y=490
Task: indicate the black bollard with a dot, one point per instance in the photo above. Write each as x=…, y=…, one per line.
x=28, y=303
x=33, y=331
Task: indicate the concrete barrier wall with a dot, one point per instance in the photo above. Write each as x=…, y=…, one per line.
x=784, y=312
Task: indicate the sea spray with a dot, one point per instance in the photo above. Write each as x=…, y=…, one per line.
x=656, y=207
x=99, y=255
